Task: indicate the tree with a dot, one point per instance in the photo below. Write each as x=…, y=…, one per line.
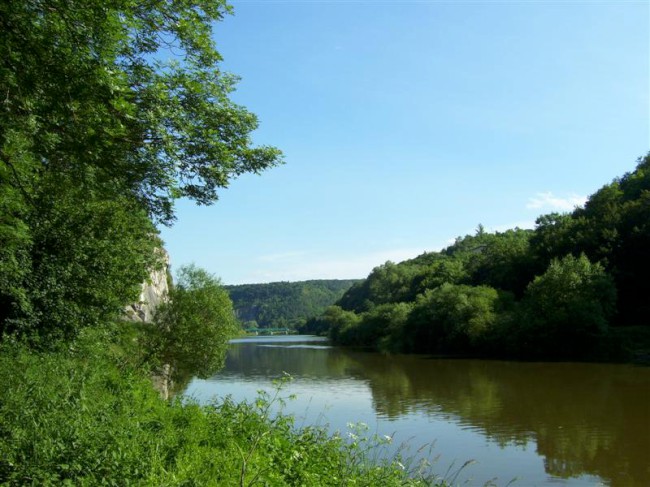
x=567, y=309
x=191, y=331
x=612, y=229
x=107, y=107
x=630, y=262
x=453, y=318
x=555, y=236
x=88, y=257
x=340, y=324
x=505, y=261
x=92, y=84
x=383, y=327
x=444, y=270
x=387, y=283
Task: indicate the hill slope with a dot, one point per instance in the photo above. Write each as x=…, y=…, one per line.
x=285, y=304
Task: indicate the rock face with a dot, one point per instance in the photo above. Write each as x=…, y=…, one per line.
x=154, y=292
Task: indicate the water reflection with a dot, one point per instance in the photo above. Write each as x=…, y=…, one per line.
x=580, y=419
x=583, y=418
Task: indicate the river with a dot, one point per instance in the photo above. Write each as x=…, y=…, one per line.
x=541, y=423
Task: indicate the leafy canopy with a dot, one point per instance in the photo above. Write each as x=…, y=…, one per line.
x=110, y=112
x=191, y=331
x=131, y=88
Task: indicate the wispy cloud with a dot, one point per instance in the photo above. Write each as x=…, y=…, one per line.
x=548, y=200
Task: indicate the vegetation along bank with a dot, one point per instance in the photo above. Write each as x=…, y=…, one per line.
x=575, y=287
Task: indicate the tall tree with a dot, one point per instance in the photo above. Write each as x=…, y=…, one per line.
x=131, y=88
x=103, y=104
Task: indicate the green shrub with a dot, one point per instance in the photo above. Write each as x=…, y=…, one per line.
x=453, y=318
x=89, y=416
x=341, y=323
x=566, y=310
x=191, y=331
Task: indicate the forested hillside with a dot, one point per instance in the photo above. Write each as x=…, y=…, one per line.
x=284, y=304
x=563, y=290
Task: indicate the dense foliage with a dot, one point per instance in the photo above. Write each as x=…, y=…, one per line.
x=190, y=331
x=284, y=304
x=110, y=112
x=552, y=292
x=89, y=416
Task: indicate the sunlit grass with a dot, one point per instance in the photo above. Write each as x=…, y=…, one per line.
x=89, y=416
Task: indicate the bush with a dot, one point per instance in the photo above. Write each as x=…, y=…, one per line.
x=191, y=330
x=453, y=318
x=341, y=325
x=566, y=309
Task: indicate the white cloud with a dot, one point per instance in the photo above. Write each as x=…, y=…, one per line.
x=548, y=200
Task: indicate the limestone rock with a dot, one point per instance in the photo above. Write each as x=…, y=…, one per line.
x=154, y=292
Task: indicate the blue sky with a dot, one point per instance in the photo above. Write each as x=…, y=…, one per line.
x=407, y=123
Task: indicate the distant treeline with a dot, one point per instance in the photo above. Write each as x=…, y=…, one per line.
x=285, y=304
x=562, y=290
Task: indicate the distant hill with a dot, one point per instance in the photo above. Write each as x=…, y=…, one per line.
x=285, y=304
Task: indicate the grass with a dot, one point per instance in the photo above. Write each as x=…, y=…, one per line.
x=88, y=415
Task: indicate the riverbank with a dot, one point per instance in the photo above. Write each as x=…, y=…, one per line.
x=623, y=345
x=88, y=415
x=544, y=423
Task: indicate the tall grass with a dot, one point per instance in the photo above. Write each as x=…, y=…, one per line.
x=88, y=415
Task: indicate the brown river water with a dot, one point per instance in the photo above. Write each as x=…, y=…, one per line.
x=538, y=423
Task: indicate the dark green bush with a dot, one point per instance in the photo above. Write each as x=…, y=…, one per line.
x=453, y=318
x=566, y=310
